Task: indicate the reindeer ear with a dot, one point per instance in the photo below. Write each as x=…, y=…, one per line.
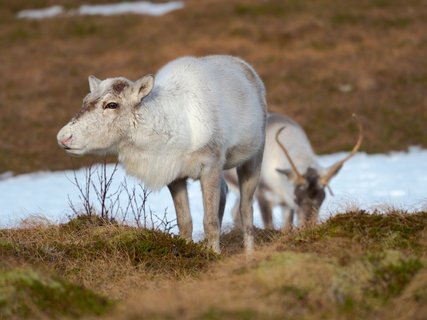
x=93, y=83
x=143, y=86
x=287, y=172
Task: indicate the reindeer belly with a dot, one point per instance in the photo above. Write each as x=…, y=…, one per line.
x=155, y=171
x=238, y=155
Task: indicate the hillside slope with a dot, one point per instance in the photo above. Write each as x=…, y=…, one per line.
x=355, y=265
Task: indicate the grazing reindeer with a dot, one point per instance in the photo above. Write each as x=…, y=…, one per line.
x=195, y=118
x=291, y=177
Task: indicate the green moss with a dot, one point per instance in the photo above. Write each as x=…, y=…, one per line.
x=347, y=305
x=19, y=34
x=28, y=294
x=84, y=221
x=6, y=246
x=85, y=28
x=389, y=280
x=92, y=238
x=357, y=289
x=156, y=250
x=163, y=252
x=374, y=231
x=297, y=292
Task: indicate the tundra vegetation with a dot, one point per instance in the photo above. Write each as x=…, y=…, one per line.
x=321, y=61
x=355, y=265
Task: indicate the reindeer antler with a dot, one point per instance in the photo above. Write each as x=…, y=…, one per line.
x=337, y=166
x=299, y=177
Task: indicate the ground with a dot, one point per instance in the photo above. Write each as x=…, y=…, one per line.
x=353, y=266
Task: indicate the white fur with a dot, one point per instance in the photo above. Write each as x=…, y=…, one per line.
x=184, y=112
x=296, y=142
x=299, y=191
x=277, y=188
x=201, y=115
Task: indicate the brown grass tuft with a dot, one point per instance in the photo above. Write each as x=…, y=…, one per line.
x=301, y=275
x=355, y=265
x=105, y=257
x=232, y=241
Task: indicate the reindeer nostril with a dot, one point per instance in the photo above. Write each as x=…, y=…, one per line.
x=66, y=141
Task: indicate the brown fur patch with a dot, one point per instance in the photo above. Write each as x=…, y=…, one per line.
x=119, y=86
x=88, y=105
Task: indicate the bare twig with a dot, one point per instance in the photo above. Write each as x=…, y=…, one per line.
x=108, y=200
x=84, y=192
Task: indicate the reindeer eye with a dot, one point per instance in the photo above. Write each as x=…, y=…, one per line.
x=111, y=105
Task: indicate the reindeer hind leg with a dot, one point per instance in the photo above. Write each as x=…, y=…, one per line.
x=248, y=174
x=222, y=199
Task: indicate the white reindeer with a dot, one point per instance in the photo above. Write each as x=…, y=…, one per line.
x=195, y=118
x=291, y=176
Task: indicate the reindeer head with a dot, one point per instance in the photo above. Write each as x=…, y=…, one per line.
x=107, y=115
x=309, y=191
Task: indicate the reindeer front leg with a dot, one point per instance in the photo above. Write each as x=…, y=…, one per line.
x=287, y=217
x=178, y=190
x=210, y=182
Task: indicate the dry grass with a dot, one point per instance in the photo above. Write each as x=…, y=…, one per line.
x=232, y=240
x=359, y=231
x=303, y=276
x=353, y=266
x=321, y=61
x=108, y=258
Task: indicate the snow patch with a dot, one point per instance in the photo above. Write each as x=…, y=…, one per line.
x=137, y=7
x=370, y=182
x=140, y=7
x=6, y=175
x=38, y=14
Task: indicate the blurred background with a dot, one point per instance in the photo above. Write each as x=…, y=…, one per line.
x=321, y=61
